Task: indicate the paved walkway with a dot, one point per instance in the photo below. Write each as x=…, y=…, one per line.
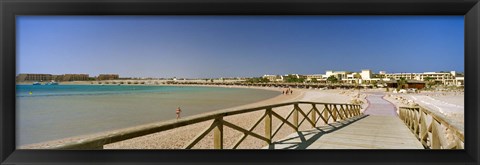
x=379, y=106
x=379, y=128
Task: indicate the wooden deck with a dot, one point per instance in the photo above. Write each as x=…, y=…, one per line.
x=375, y=130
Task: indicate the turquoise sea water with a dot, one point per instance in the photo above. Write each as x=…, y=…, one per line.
x=62, y=111
x=72, y=90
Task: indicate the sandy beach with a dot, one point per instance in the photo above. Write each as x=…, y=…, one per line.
x=179, y=137
x=449, y=105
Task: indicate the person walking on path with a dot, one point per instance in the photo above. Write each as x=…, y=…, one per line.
x=178, y=111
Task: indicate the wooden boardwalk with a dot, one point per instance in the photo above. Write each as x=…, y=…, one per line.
x=379, y=128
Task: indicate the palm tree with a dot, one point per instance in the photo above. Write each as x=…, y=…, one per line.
x=429, y=81
x=401, y=82
x=357, y=76
x=332, y=79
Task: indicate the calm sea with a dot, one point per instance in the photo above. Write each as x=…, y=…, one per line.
x=47, y=113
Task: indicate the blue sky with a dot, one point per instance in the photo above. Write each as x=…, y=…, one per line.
x=230, y=46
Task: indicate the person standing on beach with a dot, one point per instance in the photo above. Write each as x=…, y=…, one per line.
x=178, y=112
x=291, y=91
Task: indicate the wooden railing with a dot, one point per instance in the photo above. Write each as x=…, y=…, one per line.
x=330, y=112
x=433, y=131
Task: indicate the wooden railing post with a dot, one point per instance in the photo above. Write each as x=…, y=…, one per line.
x=435, y=143
x=405, y=118
x=218, y=134
x=346, y=112
x=358, y=109
x=314, y=116
x=408, y=117
x=354, y=111
x=334, y=112
x=295, y=116
x=400, y=111
x=268, y=125
x=416, y=127
x=325, y=113
x=340, y=113
x=423, y=128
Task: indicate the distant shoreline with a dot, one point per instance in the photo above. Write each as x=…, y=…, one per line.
x=179, y=85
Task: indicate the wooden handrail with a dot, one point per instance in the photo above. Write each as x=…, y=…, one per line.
x=218, y=124
x=429, y=130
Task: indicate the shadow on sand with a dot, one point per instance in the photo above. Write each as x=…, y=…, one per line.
x=303, y=139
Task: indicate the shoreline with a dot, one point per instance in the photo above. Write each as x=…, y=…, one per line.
x=180, y=85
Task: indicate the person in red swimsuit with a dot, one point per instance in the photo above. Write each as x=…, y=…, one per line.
x=178, y=112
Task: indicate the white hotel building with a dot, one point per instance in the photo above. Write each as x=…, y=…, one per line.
x=446, y=78
x=366, y=76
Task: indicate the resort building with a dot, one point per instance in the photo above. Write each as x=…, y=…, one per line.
x=366, y=74
x=273, y=78
x=75, y=77
x=49, y=77
x=366, y=77
x=338, y=74
x=445, y=78
x=314, y=76
x=34, y=77
x=397, y=76
x=347, y=76
x=410, y=84
x=279, y=78
x=57, y=77
x=296, y=75
x=107, y=77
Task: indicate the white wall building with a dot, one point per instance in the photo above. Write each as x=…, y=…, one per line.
x=314, y=76
x=273, y=78
x=446, y=78
x=368, y=77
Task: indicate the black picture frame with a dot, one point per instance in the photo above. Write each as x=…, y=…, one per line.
x=11, y=8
